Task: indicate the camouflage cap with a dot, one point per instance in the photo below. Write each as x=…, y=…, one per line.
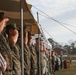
x=30, y=34
x=3, y=17
x=11, y=26
x=38, y=39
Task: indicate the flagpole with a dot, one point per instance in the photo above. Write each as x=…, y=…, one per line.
x=22, y=46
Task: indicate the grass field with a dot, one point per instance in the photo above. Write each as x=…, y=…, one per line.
x=72, y=57
x=70, y=71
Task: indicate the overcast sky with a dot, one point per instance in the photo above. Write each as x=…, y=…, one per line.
x=61, y=10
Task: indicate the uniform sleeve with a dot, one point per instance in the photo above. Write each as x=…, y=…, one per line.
x=2, y=61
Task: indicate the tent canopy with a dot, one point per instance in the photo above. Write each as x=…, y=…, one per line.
x=11, y=8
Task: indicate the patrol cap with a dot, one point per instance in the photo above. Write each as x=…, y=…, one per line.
x=11, y=26
x=38, y=39
x=30, y=34
x=2, y=17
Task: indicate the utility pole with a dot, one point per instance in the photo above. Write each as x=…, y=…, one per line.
x=22, y=46
x=39, y=46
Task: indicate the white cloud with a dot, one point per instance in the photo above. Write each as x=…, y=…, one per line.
x=58, y=30
x=71, y=21
x=55, y=8
x=47, y=2
x=60, y=33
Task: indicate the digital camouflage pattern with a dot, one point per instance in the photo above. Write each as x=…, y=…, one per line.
x=37, y=52
x=27, y=62
x=6, y=52
x=42, y=65
x=33, y=60
x=16, y=60
x=42, y=62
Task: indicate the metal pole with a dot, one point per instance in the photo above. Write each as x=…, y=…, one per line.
x=39, y=46
x=22, y=46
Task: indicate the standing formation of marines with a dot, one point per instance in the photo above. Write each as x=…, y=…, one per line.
x=10, y=48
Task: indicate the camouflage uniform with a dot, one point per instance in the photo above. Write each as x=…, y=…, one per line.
x=48, y=61
x=42, y=62
x=27, y=62
x=50, y=65
x=42, y=65
x=37, y=52
x=33, y=60
x=45, y=63
x=14, y=48
x=6, y=52
x=16, y=60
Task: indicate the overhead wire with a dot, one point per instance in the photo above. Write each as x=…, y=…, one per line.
x=69, y=24
x=61, y=23
x=43, y=27
x=46, y=31
x=47, y=42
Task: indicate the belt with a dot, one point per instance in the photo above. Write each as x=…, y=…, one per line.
x=9, y=70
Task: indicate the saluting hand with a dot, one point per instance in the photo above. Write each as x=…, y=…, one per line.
x=4, y=67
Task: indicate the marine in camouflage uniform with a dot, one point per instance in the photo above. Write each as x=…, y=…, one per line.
x=41, y=55
x=16, y=60
x=45, y=60
x=4, y=47
x=37, y=52
x=42, y=62
x=53, y=61
x=5, y=51
x=33, y=55
x=27, y=58
x=47, y=67
x=50, y=64
x=12, y=32
x=27, y=54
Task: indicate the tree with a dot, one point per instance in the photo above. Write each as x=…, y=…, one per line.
x=54, y=43
x=51, y=41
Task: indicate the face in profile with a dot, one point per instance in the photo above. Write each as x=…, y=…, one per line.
x=26, y=37
x=31, y=38
x=52, y=53
x=3, y=24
